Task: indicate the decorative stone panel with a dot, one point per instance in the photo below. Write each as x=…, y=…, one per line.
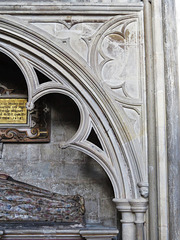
x=95, y=56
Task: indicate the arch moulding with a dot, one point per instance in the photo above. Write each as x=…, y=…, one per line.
x=122, y=153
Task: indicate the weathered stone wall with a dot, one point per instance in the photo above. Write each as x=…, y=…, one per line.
x=63, y=171
x=173, y=120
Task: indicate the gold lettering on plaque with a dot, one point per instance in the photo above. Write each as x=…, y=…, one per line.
x=13, y=111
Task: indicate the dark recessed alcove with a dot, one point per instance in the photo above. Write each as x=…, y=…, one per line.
x=94, y=139
x=41, y=77
x=11, y=75
x=65, y=116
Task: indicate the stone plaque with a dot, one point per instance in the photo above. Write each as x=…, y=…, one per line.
x=13, y=111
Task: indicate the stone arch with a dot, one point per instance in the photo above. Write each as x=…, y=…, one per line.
x=120, y=156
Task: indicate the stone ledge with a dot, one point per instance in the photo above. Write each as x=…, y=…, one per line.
x=51, y=8
x=69, y=234
x=99, y=234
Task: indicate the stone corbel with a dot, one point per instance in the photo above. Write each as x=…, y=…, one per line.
x=143, y=189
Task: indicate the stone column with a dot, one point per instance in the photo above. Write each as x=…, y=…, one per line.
x=128, y=219
x=139, y=207
x=151, y=126
x=171, y=10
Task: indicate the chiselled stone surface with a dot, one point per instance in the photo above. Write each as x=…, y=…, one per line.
x=114, y=57
x=97, y=60
x=113, y=48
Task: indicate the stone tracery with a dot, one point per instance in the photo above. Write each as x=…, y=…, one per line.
x=120, y=156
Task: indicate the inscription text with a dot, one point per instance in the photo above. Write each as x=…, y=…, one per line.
x=13, y=111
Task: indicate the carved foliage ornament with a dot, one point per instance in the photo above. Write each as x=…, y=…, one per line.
x=113, y=48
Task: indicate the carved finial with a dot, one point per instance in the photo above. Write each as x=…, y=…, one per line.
x=63, y=145
x=144, y=189
x=30, y=106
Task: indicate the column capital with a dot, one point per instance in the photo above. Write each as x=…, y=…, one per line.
x=131, y=205
x=122, y=205
x=139, y=205
x=127, y=218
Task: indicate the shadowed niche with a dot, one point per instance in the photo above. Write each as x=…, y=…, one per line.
x=11, y=75
x=41, y=77
x=93, y=138
x=65, y=116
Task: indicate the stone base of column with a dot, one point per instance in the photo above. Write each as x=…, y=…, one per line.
x=99, y=234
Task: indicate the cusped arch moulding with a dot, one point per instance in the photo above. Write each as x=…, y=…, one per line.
x=120, y=161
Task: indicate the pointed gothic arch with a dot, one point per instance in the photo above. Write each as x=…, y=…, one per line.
x=29, y=47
